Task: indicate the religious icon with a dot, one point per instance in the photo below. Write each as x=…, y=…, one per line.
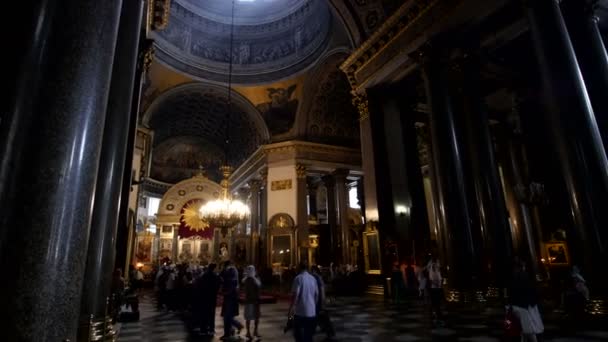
x=558, y=253
x=240, y=252
x=144, y=249
x=224, y=251
x=281, y=221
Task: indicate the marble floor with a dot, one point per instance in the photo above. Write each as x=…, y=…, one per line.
x=355, y=320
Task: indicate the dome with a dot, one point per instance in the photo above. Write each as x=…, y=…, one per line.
x=273, y=39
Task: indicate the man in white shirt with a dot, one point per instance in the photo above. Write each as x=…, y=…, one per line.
x=304, y=296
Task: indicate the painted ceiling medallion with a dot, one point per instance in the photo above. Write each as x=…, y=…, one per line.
x=191, y=216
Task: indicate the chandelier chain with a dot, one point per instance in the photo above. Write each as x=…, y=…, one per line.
x=227, y=142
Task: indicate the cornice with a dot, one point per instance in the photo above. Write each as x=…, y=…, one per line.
x=292, y=150
x=388, y=40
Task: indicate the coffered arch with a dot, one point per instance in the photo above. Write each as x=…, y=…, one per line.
x=190, y=123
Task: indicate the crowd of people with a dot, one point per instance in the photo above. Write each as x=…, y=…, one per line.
x=198, y=291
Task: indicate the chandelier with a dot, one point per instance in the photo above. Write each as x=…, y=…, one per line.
x=225, y=212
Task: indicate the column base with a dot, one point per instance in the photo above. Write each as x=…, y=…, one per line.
x=471, y=296
x=597, y=306
x=98, y=329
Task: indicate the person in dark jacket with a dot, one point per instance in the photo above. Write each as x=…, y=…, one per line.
x=207, y=287
x=323, y=319
x=230, y=306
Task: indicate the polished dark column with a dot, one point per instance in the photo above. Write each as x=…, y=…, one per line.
x=517, y=182
x=53, y=204
x=438, y=218
x=402, y=206
x=582, y=22
x=330, y=185
x=312, y=198
x=448, y=165
x=26, y=61
x=302, y=212
x=254, y=189
x=344, y=230
x=264, y=240
x=126, y=215
x=102, y=241
x=493, y=217
x=576, y=137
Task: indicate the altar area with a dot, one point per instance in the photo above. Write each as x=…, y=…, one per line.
x=182, y=237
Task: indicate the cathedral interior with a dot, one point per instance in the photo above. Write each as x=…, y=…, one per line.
x=368, y=137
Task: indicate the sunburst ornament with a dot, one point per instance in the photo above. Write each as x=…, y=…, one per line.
x=191, y=216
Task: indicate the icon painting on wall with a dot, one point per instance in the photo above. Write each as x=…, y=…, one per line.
x=280, y=112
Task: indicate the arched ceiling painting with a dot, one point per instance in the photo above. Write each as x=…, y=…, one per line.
x=273, y=39
x=332, y=118
x=190, y=131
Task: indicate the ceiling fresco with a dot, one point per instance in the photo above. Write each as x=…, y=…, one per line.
x=287, y=86
x=273, y=39
x=179, y=158
x=190, y=124
x=332, y=119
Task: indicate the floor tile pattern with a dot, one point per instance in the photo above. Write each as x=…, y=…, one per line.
x=355, y=320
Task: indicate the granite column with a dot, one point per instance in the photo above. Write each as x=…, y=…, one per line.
x=125, y=214
x=448, y=166
x=264, y=239
x=254, y=189
x=46, y=257
x=302, y=213
x=330, y=185
x=344, y=230
x=102, y=241
x=583, y=27
x=492, y=211
x=576, y=137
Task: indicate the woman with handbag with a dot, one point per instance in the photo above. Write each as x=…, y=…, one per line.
x=523, y=301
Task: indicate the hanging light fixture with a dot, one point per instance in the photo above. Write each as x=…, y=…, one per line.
x=226, y=212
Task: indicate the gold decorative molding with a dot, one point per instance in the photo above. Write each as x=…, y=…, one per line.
x=284, y=184
x=264, y=176
x=158, y=14
x=301, y=171
x=360, y=102
x=393, y=27
x=147, y=54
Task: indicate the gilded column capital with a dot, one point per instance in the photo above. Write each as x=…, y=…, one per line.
x=146, y=55
x=362, y=104
x=158, y=12
x=264, y=176
x=301, y=171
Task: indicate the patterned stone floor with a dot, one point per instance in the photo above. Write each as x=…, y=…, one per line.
x=355, y=320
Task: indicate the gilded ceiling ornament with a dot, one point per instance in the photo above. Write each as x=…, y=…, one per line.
x=190, y=216
x=362, y=105
x=301, y=170
x=148, y=54
x=159, y=13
